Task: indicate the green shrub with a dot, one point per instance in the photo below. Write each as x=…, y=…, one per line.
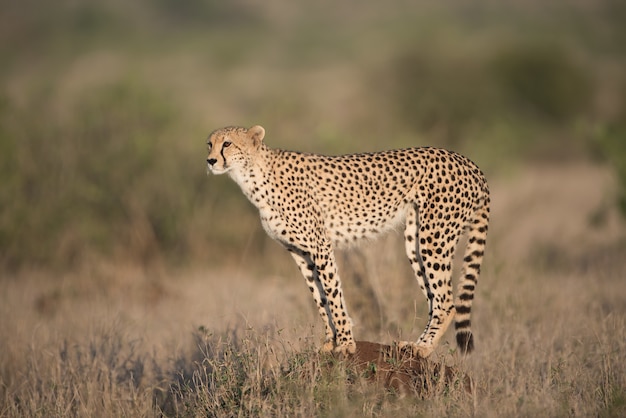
x=612, y=144
x=544, y=79
x=88, y=182
x=433, y=97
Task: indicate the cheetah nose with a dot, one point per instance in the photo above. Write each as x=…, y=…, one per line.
x=211, y=161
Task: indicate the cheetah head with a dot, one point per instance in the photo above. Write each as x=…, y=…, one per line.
x=233, y=148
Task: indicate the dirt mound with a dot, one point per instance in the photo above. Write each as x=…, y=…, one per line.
x=399, y=370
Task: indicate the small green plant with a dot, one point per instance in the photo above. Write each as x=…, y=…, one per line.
x=543, y=79
x=612, y=144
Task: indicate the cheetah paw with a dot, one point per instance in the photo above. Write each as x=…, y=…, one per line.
x=346, y=349
x=328, y=347
x=416, y=349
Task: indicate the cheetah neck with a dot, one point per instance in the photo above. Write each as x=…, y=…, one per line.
x=251, y=177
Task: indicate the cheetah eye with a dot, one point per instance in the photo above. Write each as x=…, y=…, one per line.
x=209, y=145
x=226, y=144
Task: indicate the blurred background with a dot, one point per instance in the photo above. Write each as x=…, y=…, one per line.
x=105, y=107
x=121, y=261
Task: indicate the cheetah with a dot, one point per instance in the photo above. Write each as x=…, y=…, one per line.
x=312, y=204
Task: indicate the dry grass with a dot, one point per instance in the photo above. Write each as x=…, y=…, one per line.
x=550, y=322
x=103, y=113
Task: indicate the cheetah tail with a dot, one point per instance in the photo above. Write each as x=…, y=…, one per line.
x=472, y=260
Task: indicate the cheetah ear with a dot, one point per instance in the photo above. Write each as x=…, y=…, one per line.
x=256, y=134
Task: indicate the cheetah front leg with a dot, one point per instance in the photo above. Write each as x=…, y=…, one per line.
x=309, y=271
x=329, y=277
x=325, y=286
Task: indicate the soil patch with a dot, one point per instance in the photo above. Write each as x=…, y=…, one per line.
x=400, y=371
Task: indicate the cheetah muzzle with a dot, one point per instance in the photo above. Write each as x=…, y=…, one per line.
x=312, y=204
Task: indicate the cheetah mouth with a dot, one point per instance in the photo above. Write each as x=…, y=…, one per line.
x=216, y=170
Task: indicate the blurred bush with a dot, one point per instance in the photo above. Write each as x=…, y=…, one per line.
x=104, y=106
x=110, y=179
x=113, y=180
x=520, y=99
x=438, y=96
x=610, y=144
x=613, y=144
x=544, y=79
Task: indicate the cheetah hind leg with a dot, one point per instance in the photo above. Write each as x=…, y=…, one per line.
x=423, y=348
x=440, y=317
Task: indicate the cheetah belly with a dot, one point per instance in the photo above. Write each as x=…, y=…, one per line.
x=347, y=229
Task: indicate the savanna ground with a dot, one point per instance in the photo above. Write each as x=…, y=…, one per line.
x=549, y=318
x=133, y=285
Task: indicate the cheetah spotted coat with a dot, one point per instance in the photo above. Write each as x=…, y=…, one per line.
x=313, y=204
